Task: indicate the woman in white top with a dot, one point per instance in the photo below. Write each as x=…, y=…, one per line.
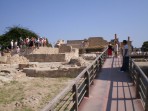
x=116, y=49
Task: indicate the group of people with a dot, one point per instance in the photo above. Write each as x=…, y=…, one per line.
x=124, y=52
x=113, y=48
x=23, y=44
x=29, y=42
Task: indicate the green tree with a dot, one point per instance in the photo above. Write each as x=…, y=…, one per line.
x=48, y=44
x=145, y=46
x=15, y=33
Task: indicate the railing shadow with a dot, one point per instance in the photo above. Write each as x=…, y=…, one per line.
x=122, y=91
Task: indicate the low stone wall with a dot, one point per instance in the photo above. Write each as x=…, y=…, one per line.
x=64, y=48
x=66, y=72
x=46, y=57
x=61, y=57
x=21, y=66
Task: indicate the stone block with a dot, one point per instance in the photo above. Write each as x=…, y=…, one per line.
x=64, y=72
x=64, y=48
x=3, y=59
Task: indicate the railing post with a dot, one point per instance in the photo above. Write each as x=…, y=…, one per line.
x=146, y=101
x=130, y=68
x=100, y=62
x=137, y=85
x=87, y=75
x=75, y=97
x=93, y=75
x=130, y=65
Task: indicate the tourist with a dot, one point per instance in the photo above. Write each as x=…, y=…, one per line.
x=15, y=44
x=125, y=64
x=37, y=43
x=109, y=50
x=17, y=50
x=116, y=49
x=11, y=44
x=31, y=42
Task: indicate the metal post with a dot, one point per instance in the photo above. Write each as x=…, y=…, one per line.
x=93, y=75
x=137, y=85
x=130, y=67
x=87, y=75
x=100, y=62
x=75, y=97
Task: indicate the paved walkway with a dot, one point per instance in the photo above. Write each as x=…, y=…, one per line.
x=112, y=90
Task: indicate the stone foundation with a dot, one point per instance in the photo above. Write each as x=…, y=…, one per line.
x=61, y=57
x=46, y=57
x=65, y=72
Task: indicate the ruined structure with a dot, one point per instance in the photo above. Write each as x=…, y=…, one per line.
x=91, y=44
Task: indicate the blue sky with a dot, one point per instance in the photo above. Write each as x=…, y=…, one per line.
x=78, y=19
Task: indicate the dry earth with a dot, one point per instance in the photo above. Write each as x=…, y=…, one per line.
x=21, y=93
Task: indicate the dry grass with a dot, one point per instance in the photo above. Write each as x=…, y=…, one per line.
x=30, y=94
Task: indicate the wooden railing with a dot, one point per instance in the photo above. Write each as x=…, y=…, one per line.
x=140, y=81
x=70, y=98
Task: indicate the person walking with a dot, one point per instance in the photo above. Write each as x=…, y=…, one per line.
x=109, y=50
x=116, y=49
x=125, y=64
x=11, y=44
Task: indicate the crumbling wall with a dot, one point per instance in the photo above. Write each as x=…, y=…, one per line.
x=97, y=41
x=46, y=57
x=73, y=53
x=65, y=72
x=46, y=50
x=64, y=48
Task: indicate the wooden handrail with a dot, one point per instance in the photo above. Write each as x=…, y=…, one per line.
x=141, y=81
x=74, y=88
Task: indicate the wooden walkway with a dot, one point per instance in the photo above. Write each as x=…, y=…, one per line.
x=112, y=90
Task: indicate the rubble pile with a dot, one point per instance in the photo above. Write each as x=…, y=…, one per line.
x=16, y=59
x=79, y=61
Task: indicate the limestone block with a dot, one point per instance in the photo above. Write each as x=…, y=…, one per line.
x=64, y=48
x=3, y=59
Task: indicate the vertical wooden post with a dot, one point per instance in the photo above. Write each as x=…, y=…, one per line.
x=130, y=69
x=75, y=97
x=115, y=40
x=87, y=75
x=137, y=85
x=93, y=75
x=100, y=62
x=130, y=65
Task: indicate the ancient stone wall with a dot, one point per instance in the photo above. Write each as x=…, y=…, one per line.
x=75, y=43
x=61, y=57
x=96, y=41
x=46, y=50
x=65, y=72
x=64, y=48
x=46, y=57
x=73, y=53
